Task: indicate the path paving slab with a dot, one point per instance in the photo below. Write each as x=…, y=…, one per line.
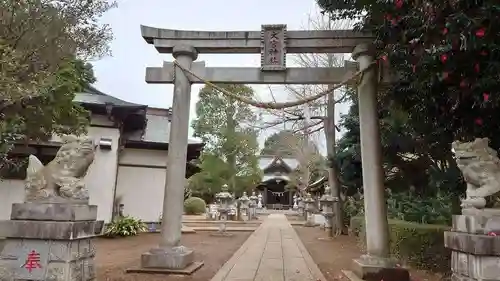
x=273, y=252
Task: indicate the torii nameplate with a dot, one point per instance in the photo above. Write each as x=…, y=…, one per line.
x=273, y=47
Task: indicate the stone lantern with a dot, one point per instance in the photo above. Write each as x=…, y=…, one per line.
x=301, y=208
x=224, y=198
x=244, y=201
x=253, y=204
x=326, y=202
x=259, y=204
x=309, y=208
x=295, y=201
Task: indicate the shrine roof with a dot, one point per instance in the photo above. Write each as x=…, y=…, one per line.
x=266, y=161
x=157, y=120
x=277, y=177
x=93, y=96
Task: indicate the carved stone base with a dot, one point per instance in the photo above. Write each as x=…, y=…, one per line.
x=476, y=224
x=65, y=260
x=376, y=269
x=53, y=212
x=475, y=254
x=58, y=248
x=473, y=267
x=51, y=229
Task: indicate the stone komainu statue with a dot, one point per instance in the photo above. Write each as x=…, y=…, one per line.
x=62, y=179
x=480, y=167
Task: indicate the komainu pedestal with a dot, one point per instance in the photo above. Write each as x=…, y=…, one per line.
x=50, y=242
x=475, y=245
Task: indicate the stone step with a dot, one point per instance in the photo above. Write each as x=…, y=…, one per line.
x=193, y=223
x=228, y=228
x=215, y=228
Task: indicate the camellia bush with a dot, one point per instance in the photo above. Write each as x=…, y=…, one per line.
x=445, y=55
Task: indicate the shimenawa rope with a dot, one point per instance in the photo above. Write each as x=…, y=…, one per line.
x=276, y=105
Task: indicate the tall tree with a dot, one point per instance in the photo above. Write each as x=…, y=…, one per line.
x=224, y=125
x=43, y=46
x=281, y=143
x=290, y=144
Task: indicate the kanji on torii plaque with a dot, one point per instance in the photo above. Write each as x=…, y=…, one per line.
x=273, y=47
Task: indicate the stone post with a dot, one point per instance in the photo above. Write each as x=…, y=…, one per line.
x=376, y=264
x=50, y=241
x=170, y=256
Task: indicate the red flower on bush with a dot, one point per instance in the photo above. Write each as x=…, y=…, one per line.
x=480, y=32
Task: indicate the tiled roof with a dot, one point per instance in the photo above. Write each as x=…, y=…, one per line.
x=94, y=96
x=158, y=121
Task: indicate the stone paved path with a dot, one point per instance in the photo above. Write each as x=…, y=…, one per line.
x=273, y=252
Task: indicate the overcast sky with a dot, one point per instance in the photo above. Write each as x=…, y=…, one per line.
x=122, y=74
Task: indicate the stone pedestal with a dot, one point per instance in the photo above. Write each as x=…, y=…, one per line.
x=371, y=268
x=475, y=243
x=47, y=241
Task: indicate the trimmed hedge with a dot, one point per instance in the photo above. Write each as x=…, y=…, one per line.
x=194, y=206
x=419, y=245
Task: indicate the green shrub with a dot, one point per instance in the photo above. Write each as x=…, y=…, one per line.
x=194, y=206
x=125, y=226
x=419, y=245
x=437, y=209
x=356, y=224
x=352, y=207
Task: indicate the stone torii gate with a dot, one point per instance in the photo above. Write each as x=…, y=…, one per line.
x=273, y=42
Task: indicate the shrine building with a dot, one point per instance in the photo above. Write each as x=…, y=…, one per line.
x=129, y=168
x=274, y=186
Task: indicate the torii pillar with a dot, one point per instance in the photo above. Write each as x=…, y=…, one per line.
x=376, y=264
x=170, y=257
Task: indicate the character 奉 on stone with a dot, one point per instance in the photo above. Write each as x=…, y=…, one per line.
x=62, y=179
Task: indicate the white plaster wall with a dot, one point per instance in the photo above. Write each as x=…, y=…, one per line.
x=101, y=177
x=141, y=188
x=130, y=156
x=141, y=191
x=11, y=191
